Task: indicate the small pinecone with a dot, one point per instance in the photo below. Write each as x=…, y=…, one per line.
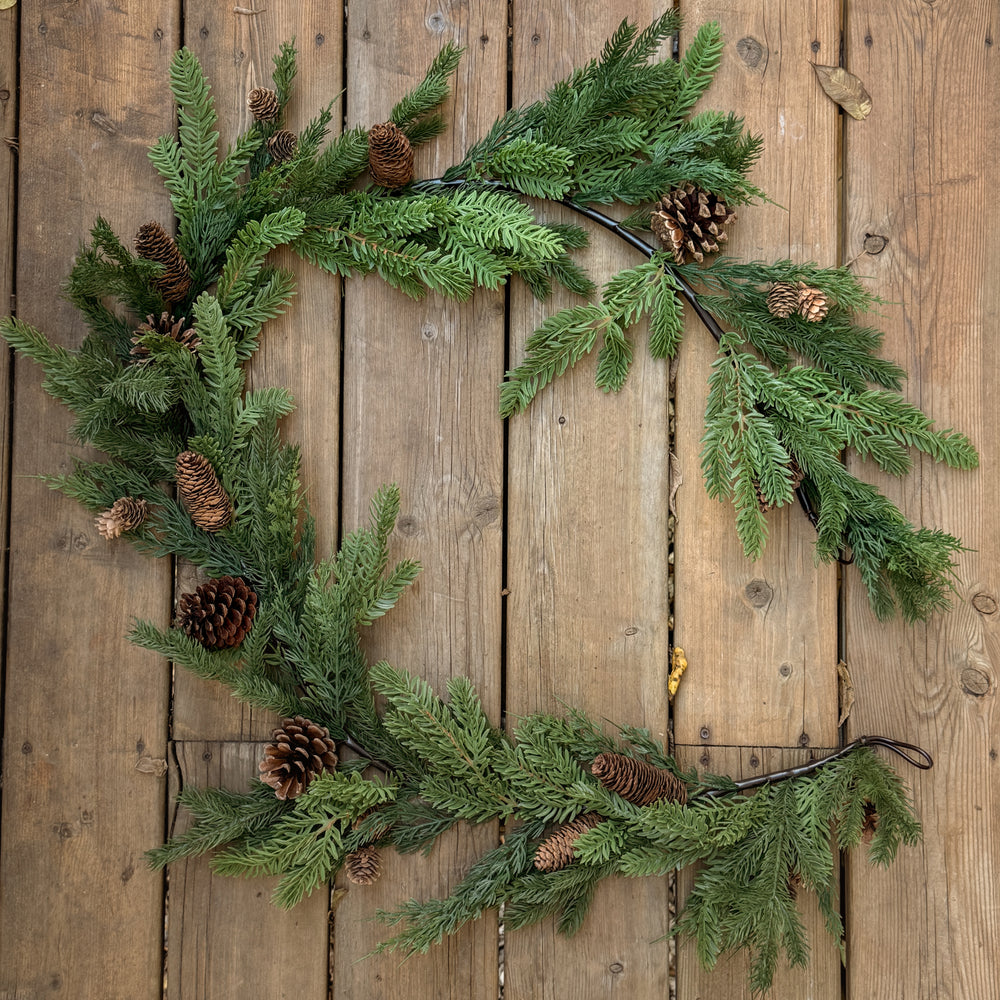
x=813, y=304
x=283, y=145
x=203, y=496
x=166, y=326
x=783, y=299
x=300, y=751
x=153, y=242
x=263, y=104
x=797, y=476
x=124, y=514
x=556, y=850
x=219, y=613
x=364, y=865
x=870, y=824
x=690, y=222
x=390, y=156
x=637, y=781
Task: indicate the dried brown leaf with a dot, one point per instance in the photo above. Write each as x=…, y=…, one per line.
x=845, y=691
x=846, y=89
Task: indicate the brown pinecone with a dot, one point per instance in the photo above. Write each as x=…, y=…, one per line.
x=219, y=613
x=298, y=752
x=263, y=104
x=556, y=850
x=364, y=865
x=166, y=326
x=390, y=156
x=124, y=514
x=283, y=145
x=637, y=781
x=153, y=242
x=797, y=476
x=870, y=824
x=203, y=496
x=783, y=299
x=813, y=304
x=690, y=222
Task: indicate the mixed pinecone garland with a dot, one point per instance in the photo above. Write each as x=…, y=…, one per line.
x=690, y=223
x=125, y=514
x=364, y=865
x=154, y=243
x=166, y=326
x=204, y=497
x=283, y=145
x=557, y=849
x=263, y=105
x=638, y=781
x=219, y=614
x=390, y=156
x=300, y=751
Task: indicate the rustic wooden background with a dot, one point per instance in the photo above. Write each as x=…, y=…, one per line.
x=544, y=541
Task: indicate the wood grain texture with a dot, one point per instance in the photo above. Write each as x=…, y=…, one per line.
x=587, y=556
x=225, y=939
x=761, y=637
x=820, y=979
x=82, y=708
x=930, y=926
x=419, y=381
x=301, y=349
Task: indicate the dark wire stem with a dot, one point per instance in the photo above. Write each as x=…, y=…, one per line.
x=371, y=758
x=912, y=754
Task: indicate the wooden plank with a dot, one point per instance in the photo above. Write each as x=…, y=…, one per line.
x=928, y=927
x=761, y=637
x=301, y=349
x=821, y=977
x=224, y=936
x=419, y=379
x=587, y=558
x=83, y=709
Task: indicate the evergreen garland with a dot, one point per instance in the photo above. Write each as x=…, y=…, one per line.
x=785, y=394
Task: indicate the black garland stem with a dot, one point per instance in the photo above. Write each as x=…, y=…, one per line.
x=911, y=753
x=613, y=226
x=362, y=752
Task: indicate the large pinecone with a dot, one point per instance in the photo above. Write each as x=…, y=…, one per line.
x=125, y=514
x=166, y=326
x=153, y=242
x=298, y=752
x=219, y=614
x=364, y=865
x=283, y=145
x=203, y=496
x=690, y=223
x=557, y=849
x=637, y=781
x=390, y=156
x=263, y=104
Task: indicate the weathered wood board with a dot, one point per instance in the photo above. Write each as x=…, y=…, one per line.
x=544, y=541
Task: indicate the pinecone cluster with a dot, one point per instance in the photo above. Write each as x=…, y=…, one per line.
x=204, y=497
x=364, y=865
x=153, y=242
x=691, y=223
x=786, y=297
x=165, y=326
x=283, y=145
x=219, y=614
x=263, y=105
x=390, y=156
x=298, y=752
x=797, y=476
x=125, y=514
x=557, y=850
x=638, y=781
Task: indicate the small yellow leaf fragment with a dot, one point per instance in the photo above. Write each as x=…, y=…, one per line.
x=846, y=89
x=7, y=4
x=845, y=690
x=678, y=664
